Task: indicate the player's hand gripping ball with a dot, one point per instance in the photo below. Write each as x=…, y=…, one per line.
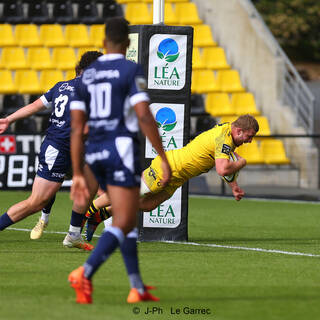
x=234, y=176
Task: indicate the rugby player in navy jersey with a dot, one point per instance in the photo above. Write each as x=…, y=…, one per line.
x=110, y=96
x=54, y=156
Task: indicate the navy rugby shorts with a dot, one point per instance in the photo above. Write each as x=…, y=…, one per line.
x=54, y=162
x=115, y=162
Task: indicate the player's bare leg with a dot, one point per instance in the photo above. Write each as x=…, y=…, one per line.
x=152, y=200
x=42, y=191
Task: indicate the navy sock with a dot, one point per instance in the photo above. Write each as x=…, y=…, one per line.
x=76, y=224
x=107, y=243
x=5, y=221
x=47, y=208
x=76, y=219
x=129, y=252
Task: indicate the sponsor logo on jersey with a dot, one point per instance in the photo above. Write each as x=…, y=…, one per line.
x=92, y=157
x=108, y=125
x=57, y=175
x=58, y=123
x=92, y=74
x=226, y=149
x=65, y=86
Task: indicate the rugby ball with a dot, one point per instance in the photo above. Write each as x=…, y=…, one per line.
x=234, y=176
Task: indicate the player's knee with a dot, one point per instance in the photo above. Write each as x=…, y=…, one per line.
x=36, y=204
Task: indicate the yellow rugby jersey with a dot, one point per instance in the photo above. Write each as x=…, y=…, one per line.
x=199, y=155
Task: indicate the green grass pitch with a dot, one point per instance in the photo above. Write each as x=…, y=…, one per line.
x=220, y=276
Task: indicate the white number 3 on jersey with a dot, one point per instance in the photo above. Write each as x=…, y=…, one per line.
x=60, y=105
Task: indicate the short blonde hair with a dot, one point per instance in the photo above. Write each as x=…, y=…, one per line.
x=246, y=122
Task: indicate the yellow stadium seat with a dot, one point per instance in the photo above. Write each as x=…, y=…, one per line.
x=7, y=85
x=229, y=81
x=214, y=58
x=126, y=1
x=273, y=152
x=27, y=82
x=27, y=35
x=39, y=58
x=77, y=35
x=224, y=119
x=48, y=78
x=203, y=81
x=203, y=36
x=264, y=128
x=187, y=13
x=13, y=58
x=218, y=105
x=64, y=58
x=6, y=36
x=251, y=152
x=138, y=13
x=244, y=103
x=170, y=16
x=175, y=1
x=197, y=62
x=97, y=35
x=51, y=35
x=70, y=74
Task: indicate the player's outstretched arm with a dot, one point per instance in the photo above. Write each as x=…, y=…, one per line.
x=22, y=113
x=150, y=130
x=4, y=124
x=238, y=193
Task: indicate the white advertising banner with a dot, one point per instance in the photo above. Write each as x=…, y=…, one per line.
x=167, y=61
x=166, y=215
x=170, y=121
x=133, y=49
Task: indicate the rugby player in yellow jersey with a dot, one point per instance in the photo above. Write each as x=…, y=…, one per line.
x=209, y=149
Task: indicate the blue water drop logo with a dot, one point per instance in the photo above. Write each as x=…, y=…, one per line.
x=168, y=50
x=166, y=119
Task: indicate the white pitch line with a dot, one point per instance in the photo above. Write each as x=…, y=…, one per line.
x=246, y=248
x=212, y=245
x=55, y=232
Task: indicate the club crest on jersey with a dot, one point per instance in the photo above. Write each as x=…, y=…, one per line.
x=226, y=149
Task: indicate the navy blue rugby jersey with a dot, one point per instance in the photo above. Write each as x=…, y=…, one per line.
x=107, y=92
x=59, y=123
